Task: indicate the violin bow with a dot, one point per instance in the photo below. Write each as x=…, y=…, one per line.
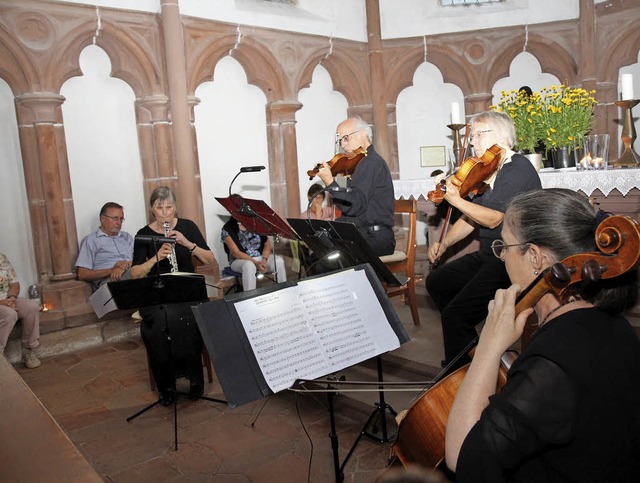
x=463, y=153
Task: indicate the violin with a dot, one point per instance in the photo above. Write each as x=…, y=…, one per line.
x=470, y=176
x=421, y=432
x=341, y=164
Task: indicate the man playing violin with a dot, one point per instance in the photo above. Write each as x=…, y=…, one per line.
x=570, y=408
x=368, y=200
x=462, y=288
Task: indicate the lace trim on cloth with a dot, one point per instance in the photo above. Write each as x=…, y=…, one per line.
x=624, y=180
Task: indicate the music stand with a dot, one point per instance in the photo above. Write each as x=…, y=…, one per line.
x=160, y=291
x=259, y=218
x=327, y=236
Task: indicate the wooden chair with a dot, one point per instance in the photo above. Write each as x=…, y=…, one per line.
x=404, y=261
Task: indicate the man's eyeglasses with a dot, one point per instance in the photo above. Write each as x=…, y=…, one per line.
x=499, y=248
x=477, y=134
x=345, y=138
x=115, y=218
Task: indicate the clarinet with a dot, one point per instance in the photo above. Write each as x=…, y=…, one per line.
x=172, y=257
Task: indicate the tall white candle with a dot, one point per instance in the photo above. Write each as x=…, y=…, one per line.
x=455, y=113
x=627, y=87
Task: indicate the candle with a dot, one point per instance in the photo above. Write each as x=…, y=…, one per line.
x=627, y=87
x=455, y=113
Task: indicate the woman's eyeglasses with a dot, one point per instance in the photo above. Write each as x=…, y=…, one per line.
x=499, y=248
x=477, y=134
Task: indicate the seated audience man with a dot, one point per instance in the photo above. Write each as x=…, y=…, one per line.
x=105, y=255
x=14, y=307
x=250, y=253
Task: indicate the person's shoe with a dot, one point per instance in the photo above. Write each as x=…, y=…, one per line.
x=167, y=398
x=196, y=390
x=30, y=359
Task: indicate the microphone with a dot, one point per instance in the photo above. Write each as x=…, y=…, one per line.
x=251, y=169
x=148, y=239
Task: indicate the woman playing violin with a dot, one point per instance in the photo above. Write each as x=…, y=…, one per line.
x=370, y=200
x=462, y=288
x=570, y=409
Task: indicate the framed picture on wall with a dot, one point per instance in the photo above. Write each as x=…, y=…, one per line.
x=432, y=156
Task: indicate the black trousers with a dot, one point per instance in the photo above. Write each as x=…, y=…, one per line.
x=179, y=357
x=462, y=290
x=382, y=241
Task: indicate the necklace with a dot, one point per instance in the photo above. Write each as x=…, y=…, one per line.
x=551, y=312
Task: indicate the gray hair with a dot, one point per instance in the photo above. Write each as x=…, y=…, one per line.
x=362, y=125
x=501, y=123
x=563, y=222
x=162, y=193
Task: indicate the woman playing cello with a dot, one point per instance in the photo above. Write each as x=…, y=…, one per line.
x=570, y=409
x=462, y=288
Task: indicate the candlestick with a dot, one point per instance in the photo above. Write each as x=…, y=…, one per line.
x=629, y=158
x=456, y=128
x=627, y=87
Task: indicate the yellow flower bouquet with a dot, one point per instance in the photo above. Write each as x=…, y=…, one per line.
x=566, y=115
x=526, y=112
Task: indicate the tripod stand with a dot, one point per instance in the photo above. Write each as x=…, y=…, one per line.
x=157, y=296
x=376, y=425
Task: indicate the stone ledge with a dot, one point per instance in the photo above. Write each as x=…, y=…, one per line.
x=112, y=328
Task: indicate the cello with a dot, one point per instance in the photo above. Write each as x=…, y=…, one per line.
x=421, y=432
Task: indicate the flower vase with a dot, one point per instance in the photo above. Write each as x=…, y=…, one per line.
x=562, y=158
x=536, y=160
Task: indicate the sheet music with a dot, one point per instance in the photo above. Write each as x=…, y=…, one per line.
x=102, y=301
x=317, y=327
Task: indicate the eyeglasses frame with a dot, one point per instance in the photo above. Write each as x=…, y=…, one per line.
x=502, y=246
x=345, y=138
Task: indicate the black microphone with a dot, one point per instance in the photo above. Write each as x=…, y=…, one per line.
x=251, y=169
x=148, y=239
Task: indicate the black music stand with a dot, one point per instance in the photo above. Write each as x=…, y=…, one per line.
x=236, y=363
x=324, y=237
x=259, y=218
x=160, y=291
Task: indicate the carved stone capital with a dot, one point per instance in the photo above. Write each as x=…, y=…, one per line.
x=39, y=107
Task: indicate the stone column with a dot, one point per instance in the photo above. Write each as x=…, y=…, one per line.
x=188, y=186
x=155, y=139
x=48, y=184
x=283, y=157
x=378, y=85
